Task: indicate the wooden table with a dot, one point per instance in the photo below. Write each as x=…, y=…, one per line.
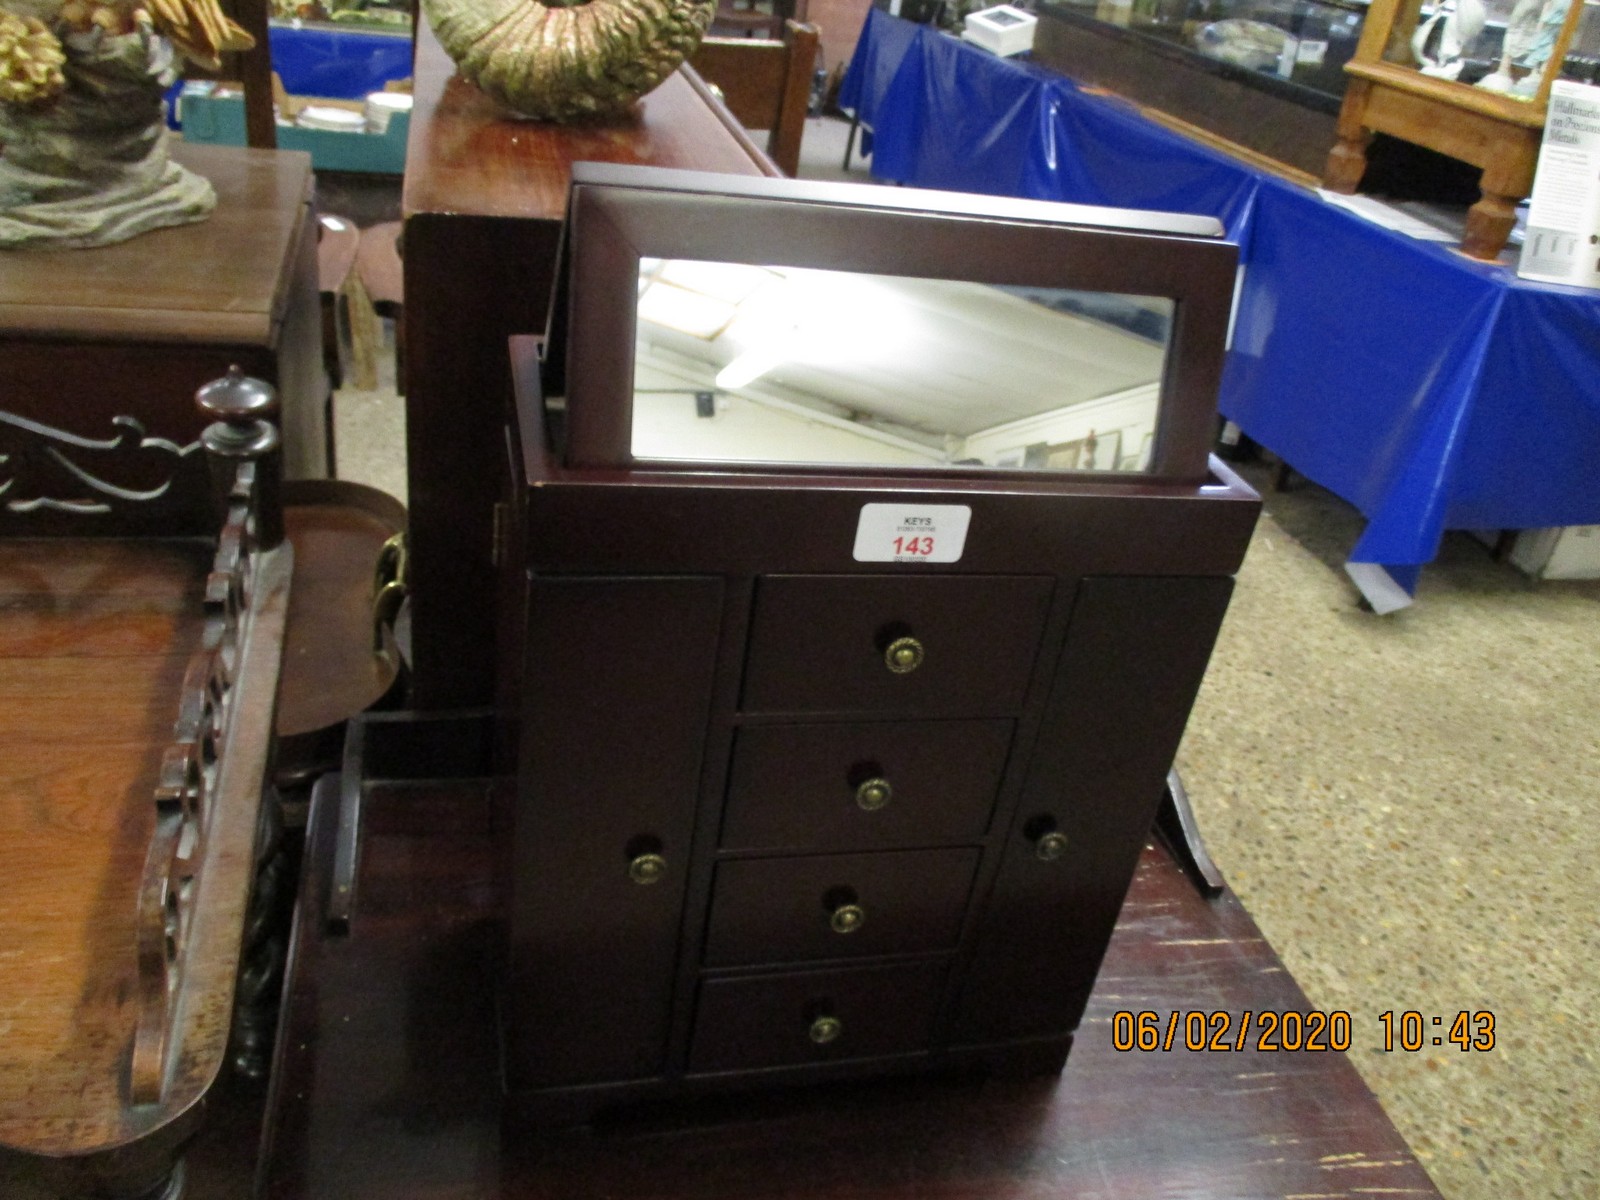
x=138, y=677
x=135, y=328
x=388, y=1084
x=485, y=196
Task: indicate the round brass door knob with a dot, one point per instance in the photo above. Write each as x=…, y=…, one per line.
x=1050, y=846
x=826, y=1029
x=874, y=794
x=647, y=868
x=904, y=655
x=847, y=918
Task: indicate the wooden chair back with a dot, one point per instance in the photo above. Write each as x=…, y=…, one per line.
x=766, y=84
x=756, y=18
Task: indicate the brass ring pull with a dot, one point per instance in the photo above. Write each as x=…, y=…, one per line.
x=874, y=794
x=393, y=564
x=825, y=1029
x=385, y=611
x=390, y=585
x=904, y=655
x=1050, y=846
x=647, y=868
x=847, y=918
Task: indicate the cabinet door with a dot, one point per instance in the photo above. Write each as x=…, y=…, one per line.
x=617, y=694
x=1135, y=653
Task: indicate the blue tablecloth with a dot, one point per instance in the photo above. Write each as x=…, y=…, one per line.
x=340, y=64
x=1431, y=391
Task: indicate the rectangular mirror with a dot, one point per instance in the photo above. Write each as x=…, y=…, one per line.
x=778, y=364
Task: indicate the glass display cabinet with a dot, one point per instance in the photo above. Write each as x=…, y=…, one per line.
x=1303, y=42
x=1264, y=75
x=861, y=558
x=1467, y=78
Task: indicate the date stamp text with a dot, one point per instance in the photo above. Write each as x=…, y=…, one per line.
x=1292, y=1031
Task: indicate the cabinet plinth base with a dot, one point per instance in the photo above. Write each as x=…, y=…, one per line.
x=708, y=1099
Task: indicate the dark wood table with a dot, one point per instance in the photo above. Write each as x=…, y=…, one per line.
x=133, y=329
x=388, y=1085
x=485, y=196
x=139, y=667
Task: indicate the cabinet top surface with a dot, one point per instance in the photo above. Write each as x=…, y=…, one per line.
x=219, y=280
x=468, y=156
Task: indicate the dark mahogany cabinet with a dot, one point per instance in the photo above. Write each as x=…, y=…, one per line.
x=784, y=808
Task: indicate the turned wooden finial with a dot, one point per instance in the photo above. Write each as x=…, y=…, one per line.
x=240, y=435
x=240, y=405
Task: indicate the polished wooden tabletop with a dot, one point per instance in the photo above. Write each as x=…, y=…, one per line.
x=467, y=154
x=388, y=1086
x=95, y=636
x=224, y=279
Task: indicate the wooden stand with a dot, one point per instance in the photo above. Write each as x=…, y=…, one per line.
x=1497, y=133
x=485, y=196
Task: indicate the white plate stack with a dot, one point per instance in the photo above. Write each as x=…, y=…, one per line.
x=335, y=120
x=383, y=105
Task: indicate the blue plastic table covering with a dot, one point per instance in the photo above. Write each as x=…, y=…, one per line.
x=1431, y=391
x=341, y=64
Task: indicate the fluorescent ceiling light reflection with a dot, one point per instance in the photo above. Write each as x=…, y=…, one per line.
x=748, y=367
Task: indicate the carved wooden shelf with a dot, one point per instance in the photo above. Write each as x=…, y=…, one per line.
x=136, y=706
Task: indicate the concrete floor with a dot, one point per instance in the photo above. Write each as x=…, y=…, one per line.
x=1402, y=804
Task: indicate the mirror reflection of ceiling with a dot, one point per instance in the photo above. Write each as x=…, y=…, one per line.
x=941, y=366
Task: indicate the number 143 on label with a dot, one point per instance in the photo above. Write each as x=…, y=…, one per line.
x=935, y=533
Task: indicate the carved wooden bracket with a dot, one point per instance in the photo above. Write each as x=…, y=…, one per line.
x=130, y=482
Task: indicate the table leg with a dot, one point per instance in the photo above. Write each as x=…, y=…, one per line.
x=1489, y=224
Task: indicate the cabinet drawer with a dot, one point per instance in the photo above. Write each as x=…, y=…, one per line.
x=815, y=1016
x=838, y=906
x=864, y=786
x=934, y=645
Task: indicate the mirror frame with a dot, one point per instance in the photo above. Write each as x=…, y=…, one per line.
x=619, y=215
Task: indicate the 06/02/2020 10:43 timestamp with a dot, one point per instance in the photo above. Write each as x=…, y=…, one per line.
x=1291, y=1030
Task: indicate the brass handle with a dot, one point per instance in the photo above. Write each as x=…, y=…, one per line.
x=1050, y=846
x=903, y=656
x=873, y=794
x=847, y=918
x=647, y=868
x=825, y=1029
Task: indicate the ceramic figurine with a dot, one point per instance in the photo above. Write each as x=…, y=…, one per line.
x=82, y=119
x=1531, y=33
x=1439, y=41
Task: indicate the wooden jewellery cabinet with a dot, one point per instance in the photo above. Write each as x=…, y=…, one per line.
x=796, y=799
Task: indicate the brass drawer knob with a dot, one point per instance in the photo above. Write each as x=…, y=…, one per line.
x=826, y=1029
x=873, y=794
x=647, y=868
x=903, y=656
x=847, y=918
x=1050, y=846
